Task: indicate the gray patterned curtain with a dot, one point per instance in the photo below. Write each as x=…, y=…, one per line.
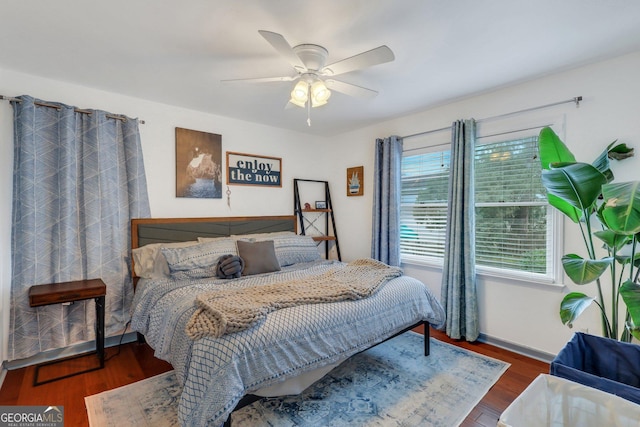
x=385, y=241
x=459, y=295
x=78, y=180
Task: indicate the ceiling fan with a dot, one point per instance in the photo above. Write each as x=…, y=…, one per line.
x=314, y=78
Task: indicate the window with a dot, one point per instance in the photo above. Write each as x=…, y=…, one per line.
x=511, y=207
x=514, y=222
x=423, y=204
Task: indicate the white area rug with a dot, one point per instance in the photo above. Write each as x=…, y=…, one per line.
x=392, y=384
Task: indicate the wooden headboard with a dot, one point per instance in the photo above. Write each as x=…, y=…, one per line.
x=166, y=230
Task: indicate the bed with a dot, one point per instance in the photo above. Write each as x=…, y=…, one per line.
x=286, y=349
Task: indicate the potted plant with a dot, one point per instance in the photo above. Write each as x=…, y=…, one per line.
x=608, y=215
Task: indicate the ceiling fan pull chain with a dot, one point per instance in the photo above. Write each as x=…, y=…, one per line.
x=309, y=109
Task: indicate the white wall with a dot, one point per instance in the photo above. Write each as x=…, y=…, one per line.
x=300, y=155
x=519, y=313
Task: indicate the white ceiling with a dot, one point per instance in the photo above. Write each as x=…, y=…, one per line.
x=176, y=52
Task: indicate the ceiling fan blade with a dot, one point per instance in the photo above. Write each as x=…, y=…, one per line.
x=350, y=89
x=262, y=80
x=284, y=48
x=372, y=57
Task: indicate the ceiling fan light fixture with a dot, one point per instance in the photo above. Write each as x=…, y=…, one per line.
x=319, y=93
x=300, y=94
x=309, y=62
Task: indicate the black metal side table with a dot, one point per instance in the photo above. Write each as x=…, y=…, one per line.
x=67, y=292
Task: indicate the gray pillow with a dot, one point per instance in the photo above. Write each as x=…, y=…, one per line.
x=259, y=257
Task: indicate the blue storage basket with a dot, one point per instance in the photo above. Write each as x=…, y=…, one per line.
x=601, y=363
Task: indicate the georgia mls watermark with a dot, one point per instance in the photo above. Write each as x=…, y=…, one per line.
x=31, y=416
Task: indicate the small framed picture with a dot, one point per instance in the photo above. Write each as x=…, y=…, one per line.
x=321, y=205
x=355, y=183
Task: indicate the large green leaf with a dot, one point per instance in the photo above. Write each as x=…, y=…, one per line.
x=612, y=240
x=582, y=271
x=621, y=212
x=630, y=293
x=619, y=152
x=564, y=207
x=626, y=259
x=602, y=163
x=572, y=305
x=578, y=184
x=552, y=149
x=600, y=217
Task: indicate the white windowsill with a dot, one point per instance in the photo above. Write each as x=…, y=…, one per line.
x=489, y=272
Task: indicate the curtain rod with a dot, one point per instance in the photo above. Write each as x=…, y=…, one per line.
x=575, y=100
x=448, y=144
x=77, y=110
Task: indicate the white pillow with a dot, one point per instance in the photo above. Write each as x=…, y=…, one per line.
x=149, y=262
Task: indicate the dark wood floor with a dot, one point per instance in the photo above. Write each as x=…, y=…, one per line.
x=522, y=371
x=136, y=362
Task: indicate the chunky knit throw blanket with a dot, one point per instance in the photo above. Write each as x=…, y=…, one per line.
x=231, y=310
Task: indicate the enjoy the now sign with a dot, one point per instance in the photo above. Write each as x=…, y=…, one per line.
x=249, y=169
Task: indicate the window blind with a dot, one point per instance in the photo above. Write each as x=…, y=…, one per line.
x=512, y=214
x=511, y=206
x=423, y=209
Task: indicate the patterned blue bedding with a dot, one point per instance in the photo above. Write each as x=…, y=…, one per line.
x=217, y=372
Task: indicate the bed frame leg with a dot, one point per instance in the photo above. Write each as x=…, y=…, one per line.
x=427, y=341
x=141, y=339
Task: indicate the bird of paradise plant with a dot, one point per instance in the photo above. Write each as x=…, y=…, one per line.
x=607, y=212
